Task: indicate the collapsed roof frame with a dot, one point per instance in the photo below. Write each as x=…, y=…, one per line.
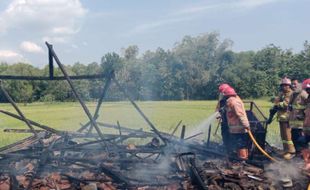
x=92, y=118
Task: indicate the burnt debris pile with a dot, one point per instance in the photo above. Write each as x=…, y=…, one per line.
x=72, y=162
x=91, y=159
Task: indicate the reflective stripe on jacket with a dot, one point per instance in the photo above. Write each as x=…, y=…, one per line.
x=236, y=116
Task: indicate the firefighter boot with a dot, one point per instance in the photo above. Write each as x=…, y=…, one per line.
x=306, y=156
x=284, y=150
x=288, y=156
x=290, y=151
x=243, y=153
x=287, y=139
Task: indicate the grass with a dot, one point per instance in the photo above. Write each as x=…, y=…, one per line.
x=164, y=114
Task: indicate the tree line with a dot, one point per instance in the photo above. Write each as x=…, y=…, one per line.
x=191, y=70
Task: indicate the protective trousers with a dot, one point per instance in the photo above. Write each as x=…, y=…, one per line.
x=225, y=136
x=286, y=136
x=296, y=135
x=240, y=142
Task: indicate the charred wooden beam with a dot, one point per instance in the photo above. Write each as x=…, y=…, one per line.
x=96, y=114
x=195, y=175
x=51, y=64
x=193, y=136
x=124, y=129
x=55, y=78
x=20, y=113
x=41, y=164
x=118, y=149
x=140, y=111
x=176, y=128
x=103, y=94
x=209, y=135
x=71, y=178
x=13, y=182
x=118, y=178
x=183, y=132
x=20, y=131
x=31, y=122
x=86, y=110
x=18, y=145
x=86, y=144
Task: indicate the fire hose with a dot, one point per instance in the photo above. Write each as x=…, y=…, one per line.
x=254, y=141
x=259, y=147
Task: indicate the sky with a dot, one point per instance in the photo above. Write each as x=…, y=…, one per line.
x=85, y=30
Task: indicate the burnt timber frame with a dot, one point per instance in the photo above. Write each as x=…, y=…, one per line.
x=92, y=119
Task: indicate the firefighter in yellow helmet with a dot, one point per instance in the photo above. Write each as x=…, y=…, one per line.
x=297, y=105
x=238, y=123
x=282, y=104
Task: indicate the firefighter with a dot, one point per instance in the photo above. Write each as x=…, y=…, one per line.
x=295, y=84
x=220, y=108
x=221, y=89
x=305, y=139
x=282, y=102
x=297, y=105
x=238, y=123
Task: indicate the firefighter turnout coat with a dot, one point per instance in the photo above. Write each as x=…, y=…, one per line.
x=306, y=127
x=297, y=113
x=236, y=116
x=282, y=101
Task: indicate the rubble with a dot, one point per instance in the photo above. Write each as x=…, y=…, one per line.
x=63, y=160
x=61, y=163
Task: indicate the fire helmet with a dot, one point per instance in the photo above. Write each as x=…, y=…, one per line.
x=222, y=87
x=229, y=91
x=285, y=81
x=306, y=84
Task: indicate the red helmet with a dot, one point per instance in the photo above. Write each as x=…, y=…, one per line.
x=222, y=87
x=285, y=81
x=229, y=92
x=306, y=84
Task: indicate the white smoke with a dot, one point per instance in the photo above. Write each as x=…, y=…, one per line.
x=283, y=170
x=203, y=127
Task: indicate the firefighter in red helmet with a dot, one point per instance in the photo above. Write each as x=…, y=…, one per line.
x=305, y=139
x=238, y=123
x=220, y=108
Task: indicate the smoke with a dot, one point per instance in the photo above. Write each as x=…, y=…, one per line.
x=283, y=170
x=203, y=127
x=150, y=173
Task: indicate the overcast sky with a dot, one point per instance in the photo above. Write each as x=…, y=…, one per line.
x=85, y=30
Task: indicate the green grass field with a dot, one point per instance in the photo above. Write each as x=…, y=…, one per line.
x=164, y=114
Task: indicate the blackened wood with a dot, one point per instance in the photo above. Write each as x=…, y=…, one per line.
x=90, y=117
x=51, y=64
x=183, y=132
x=32, y=122
x=75, y=77
x=96, y=114
x=20, y=131
x=8, y=97
x=176, y=128
x=209, y=135
x=195, y=175
x=140, y=111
